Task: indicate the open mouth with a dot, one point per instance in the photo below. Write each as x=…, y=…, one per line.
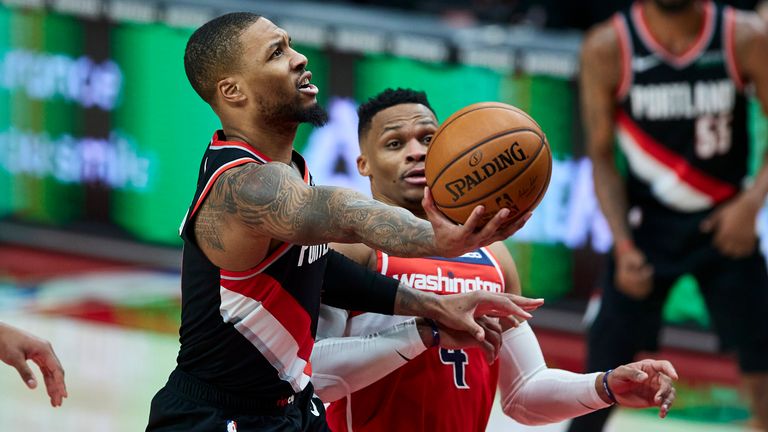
x=305, y=86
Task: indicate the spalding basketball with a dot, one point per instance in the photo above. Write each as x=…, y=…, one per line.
x=489, y=154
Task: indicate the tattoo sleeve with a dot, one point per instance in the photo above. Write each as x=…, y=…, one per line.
x=273, y=200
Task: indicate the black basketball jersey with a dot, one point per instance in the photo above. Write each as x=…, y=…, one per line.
x=249, y=332
x=681, y=119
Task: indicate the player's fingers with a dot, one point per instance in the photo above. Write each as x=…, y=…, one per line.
x=664, y=367
x=511, y=229
x=665, y=401
x=435, y=216
x=492, y=332
x=491, y=229
x=527, y=303
x=20, y=364
x=509, y=322
x=473, y=222
x=708, y=224
x=53, y=376
x=499, y=305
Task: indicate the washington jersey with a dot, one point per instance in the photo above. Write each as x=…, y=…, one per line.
x=250, y=332
x=681, y=119
x=441, y=389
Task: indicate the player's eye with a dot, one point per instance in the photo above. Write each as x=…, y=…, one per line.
x=392, y=144
x=427, y=139
x=278, y=52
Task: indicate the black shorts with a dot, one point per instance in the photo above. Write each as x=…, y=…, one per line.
x=189, y=405
x=735, y=292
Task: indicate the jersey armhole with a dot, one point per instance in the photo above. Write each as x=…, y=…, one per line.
x=729, y=28
x=625, y=48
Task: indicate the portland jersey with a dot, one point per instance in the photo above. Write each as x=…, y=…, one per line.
x=441, y=389
x=681, y=119
x=248, y=332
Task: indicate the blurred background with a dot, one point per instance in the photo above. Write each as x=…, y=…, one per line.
x=100, y=141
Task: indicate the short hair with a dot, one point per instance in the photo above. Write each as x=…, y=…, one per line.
x=384, y=100
x=213, y=49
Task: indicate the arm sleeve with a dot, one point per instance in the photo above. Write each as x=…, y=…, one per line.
x=349, y=285
x=533, y=394
x=343, y=365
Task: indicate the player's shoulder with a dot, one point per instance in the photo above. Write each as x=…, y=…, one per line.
x=601, y=40
x=749, y=27
x=499, y=250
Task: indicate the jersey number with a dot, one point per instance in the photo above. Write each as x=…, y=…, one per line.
x=713, y=135
x=459, y=360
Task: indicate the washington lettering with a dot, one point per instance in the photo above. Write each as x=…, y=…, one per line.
x=459, y=187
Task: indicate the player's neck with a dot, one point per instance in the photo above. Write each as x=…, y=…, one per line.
x=675, y=31
x=274, y=142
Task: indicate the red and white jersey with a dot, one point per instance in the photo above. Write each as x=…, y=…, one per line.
x=441, y=389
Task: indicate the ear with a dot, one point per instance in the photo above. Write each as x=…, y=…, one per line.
x=362, y=166
x=230, y=90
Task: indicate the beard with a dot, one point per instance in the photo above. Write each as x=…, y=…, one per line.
x=673, y=6
x=294, y=112
x=314, y=115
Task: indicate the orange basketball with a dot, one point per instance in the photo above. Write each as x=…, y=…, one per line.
x=489, y=154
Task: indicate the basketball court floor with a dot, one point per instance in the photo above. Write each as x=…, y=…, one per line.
x=114, y=329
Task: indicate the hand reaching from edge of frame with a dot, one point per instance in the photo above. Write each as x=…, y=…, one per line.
x=644, y=384
x=18, y=346
x=454, y=240
x=459, y=311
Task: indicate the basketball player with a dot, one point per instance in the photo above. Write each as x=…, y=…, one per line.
x=18, y=346
x=396, y=373
x=669, y=79
x=256, y=262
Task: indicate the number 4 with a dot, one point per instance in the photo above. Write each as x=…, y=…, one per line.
x=459, y=359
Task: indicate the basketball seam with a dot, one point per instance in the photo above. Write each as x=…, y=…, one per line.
x=478, y=144
x=507, y=108
x=519, y=173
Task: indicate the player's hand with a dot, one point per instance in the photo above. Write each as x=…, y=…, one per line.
x=17, y=346
x=644, y=384
x=459, y=311
x=634, y=276
x=734, y=226
x=490, y=345
x=454, y=240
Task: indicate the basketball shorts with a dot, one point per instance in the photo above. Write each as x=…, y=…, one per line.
x=735, y=292
x=190, y=405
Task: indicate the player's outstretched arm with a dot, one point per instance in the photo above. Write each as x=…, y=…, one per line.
x=459, y=311
x=533, y=394
x=272, y=201
x=17, y=347
x=342, y=365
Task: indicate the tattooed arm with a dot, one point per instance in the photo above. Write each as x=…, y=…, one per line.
x=272, y=201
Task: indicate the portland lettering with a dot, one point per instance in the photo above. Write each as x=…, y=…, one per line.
x=682, y=100
x=460, y=186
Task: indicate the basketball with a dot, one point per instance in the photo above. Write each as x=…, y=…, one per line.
x=489, y=154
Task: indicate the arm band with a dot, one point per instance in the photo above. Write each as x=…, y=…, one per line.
x=349, y=285
x=343, y=365
x=533, y=394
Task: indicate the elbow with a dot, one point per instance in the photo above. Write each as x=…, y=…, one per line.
x=516, y=410
x=329, y=388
